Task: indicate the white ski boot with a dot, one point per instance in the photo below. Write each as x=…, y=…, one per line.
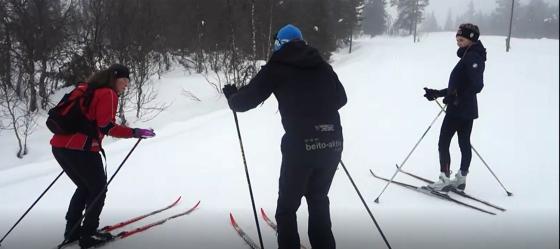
x=443, y=185
x=460, y=181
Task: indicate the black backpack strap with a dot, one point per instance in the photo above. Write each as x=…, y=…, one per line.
x=93, y=131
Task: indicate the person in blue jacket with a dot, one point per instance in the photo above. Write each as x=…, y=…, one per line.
x=465, y=82
x=309, y=95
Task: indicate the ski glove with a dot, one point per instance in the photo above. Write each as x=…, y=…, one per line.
x=432, y=94
x=229, y=90
x=143, y=133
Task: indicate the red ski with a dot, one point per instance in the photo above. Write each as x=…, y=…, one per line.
x=242, y=233
x=129, y=233
x=273, y=225
x=135, y=219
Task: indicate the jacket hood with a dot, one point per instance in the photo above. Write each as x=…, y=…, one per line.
x=298, y=54
x=477, y=48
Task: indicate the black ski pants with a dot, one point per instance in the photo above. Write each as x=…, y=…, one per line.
x=310, y=177
x=85, y=169
x=463, y=127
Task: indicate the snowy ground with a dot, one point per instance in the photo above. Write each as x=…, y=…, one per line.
x=196, y=154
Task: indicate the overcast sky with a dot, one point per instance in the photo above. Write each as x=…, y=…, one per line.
x=458, y=7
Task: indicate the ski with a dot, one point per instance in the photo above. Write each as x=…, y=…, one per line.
x=125, y=234
x=273, y=225
x=461, y=193
x=432, y=193
x=242, y=233
x=118, y=225
x=135, y=219
x=128, y=233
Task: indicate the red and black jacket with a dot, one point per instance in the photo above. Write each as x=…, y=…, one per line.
x=102, y=110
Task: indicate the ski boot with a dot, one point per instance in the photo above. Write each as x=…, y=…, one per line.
x=460, y=181
x=443, y=185
x=96, y=239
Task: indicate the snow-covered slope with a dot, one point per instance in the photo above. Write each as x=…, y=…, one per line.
x=196, y=154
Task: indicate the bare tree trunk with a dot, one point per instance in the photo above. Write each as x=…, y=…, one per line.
x=351, y=37
x=142, y=78
x=508, y=39
x=7, y=59
x=233, y=65
x=199, y=52
x=27, y=128
x=122, y=103
x=9, y=100
x=253, y=32
x=43, y=85
x=31, y=86
x=415, y=18
x=19, y=82
x=269, y=28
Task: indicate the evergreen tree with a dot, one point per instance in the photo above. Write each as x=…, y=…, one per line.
x=469, y=13
x=532, y=18
x=449, y=24
x=551, y=24
x=375, y=17
x=501, y=16
x=409, y=14
x=430, y=24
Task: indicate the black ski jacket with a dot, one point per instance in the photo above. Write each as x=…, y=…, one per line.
x=465, y=81
x=309, y=95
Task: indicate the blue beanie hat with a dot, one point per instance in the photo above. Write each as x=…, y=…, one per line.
x=286, y=34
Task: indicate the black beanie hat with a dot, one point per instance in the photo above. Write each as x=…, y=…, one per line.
x=119, y=71
x=469, y=31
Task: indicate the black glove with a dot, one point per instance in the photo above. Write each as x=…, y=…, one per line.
x=229, y=90
x=431, y=94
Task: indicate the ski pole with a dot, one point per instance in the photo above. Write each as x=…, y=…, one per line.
x=484, y=162
x=32, y=205
x=365, y=205
x=407, y=156
x=77, y=224
x=248, y=179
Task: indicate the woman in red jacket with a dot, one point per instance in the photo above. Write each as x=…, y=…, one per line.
x=78, y=153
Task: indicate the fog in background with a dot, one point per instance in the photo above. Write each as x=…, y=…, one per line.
x=458, y=7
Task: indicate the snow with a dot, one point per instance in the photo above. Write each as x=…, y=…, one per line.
x=196, y=155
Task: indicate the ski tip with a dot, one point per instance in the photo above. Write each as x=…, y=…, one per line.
x=231, y=219
x=197, y=204
x=178, y=199
x=263, y=214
